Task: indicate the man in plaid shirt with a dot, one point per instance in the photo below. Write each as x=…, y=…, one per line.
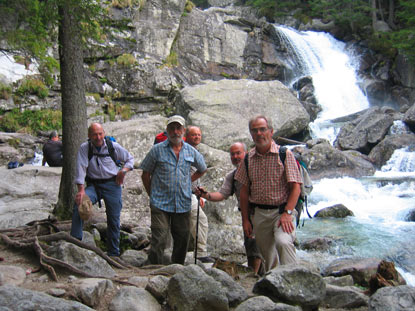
x=167, y=179
x=271, y=188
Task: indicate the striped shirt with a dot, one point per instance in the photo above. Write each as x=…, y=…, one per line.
x=268, y=180
x=171, y=186
x=100, y=167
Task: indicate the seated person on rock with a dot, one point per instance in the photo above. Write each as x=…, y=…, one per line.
x=52, y=151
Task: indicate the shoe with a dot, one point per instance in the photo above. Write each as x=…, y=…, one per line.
x=206, y=259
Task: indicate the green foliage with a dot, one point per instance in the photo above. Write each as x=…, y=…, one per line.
x=32, y=86
x=404, y=38
x=31, y=121
x=126, y=60
x=48, y=67
x=121, y=110
x=189, y=6
x=354, y=14
x=171, y=60
x=5, y=91
x=271, y=8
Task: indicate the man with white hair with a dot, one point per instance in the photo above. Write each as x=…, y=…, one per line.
x=167, y=179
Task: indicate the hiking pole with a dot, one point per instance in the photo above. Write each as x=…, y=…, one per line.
x=197, y=227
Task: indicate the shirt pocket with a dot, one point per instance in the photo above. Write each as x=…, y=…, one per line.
x=188, y=160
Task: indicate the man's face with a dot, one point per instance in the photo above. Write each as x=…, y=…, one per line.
x=175, y=132
x=96, y=134
x=194, y=136
x=261, y=134
x=237, y=153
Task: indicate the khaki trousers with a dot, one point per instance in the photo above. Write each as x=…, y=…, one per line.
x=275, y=245
x=203, y=228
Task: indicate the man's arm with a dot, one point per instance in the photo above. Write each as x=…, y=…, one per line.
x=80, y=194
x=244, y=204
x=146, y=178
x=197, y=175
x=286, y=220
x=212, y=196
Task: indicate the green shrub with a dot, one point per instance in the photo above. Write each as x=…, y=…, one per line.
x=5, y=91
x=32, y=86
x=31, y=121
x=126, y=60
x=126, y=112
x=189, y=6
x=48, y=67
x=172, y=60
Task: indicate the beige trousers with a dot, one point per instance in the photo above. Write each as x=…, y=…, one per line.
x=203, y=228
x=275, y=245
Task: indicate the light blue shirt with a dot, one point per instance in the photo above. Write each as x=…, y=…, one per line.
x=171, y=186
x=100, y=167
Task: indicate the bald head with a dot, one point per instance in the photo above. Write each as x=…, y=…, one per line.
x=193, y=135
x=237, y=152
x=96, y=134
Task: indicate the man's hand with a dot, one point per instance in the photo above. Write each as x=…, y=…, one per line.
x=202, y=202
x=286, y=222
x=79, y=196
x=199, y=191
x=247, y=228
x=120, y=177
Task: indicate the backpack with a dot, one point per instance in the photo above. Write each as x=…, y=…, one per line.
x=111, y=151
x=306, y=186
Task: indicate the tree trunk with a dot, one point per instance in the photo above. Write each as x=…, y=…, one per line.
x=374, y=15
x=391, y=16
x=74, y=121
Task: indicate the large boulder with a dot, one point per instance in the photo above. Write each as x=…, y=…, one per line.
x=223, y=108
x=383, y=151
x=400, y=298
x=325, y=161
x=193, y=289
x=366, y=131
x=27, y=193
x=17, y=298
x=294, y=285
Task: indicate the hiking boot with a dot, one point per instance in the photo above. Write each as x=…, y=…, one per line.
x=206, y=259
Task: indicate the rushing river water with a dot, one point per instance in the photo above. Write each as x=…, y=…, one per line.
x=380, y=202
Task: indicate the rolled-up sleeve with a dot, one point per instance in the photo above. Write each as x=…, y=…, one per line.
x=124, y=156
x=199, y=162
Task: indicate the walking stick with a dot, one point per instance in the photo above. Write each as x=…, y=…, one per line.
x=197, y=227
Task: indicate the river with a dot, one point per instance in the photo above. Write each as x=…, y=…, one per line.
x=380, y=202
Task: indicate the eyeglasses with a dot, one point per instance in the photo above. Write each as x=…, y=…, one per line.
x=259, y=130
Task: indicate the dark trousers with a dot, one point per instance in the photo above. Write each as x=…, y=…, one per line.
x=161, y=223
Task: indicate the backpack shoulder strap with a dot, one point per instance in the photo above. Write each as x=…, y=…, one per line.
x=111, y=149
x=90, y=151
x=246, y=165
x=282, y=153
x=233, y=189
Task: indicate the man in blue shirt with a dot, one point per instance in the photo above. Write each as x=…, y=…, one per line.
x=104, y=180
x=168, y=180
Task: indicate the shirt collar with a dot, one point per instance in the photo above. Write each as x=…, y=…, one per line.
x=274, y=149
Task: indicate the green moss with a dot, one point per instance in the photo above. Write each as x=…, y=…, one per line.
x=31, y=121
x=126, y=112
x=126, y=60
x=189, y=6
x=5, y=91
x=172, y=60
x=103, y=80
x=32, y=86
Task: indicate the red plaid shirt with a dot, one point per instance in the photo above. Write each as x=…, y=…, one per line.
x=268, y=180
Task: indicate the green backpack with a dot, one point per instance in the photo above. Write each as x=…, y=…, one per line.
x=306, y=186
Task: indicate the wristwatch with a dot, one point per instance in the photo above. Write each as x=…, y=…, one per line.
x=288, y=211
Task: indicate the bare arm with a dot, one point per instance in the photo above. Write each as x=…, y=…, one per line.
x=244, y=204
x=80, y=194
x=146, y=178
x=286, y=220
x=197, y=175
x=213, y=196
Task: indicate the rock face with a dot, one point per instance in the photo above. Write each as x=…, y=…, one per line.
x=222, y=109
x=27, y=193
x=400, y=298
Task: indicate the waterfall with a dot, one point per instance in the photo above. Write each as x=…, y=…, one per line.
x=336, y=85
x=381, y=202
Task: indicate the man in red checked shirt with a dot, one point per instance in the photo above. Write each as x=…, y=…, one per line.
x=271, y=188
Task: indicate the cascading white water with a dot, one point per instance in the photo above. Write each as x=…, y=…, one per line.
x=336, y=89
x=380, y=202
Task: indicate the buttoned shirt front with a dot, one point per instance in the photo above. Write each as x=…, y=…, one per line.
x=171, y=176
x=268, y=176
x=100, y=167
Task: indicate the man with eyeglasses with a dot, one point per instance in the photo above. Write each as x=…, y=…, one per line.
x=167, y=179
x=270, y=190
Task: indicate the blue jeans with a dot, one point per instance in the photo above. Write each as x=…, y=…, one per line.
x=111, y=193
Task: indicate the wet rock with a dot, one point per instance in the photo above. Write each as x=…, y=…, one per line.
x=336, y=211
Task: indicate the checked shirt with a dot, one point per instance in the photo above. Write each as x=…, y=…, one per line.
x=171, y=186
x=268, y=180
